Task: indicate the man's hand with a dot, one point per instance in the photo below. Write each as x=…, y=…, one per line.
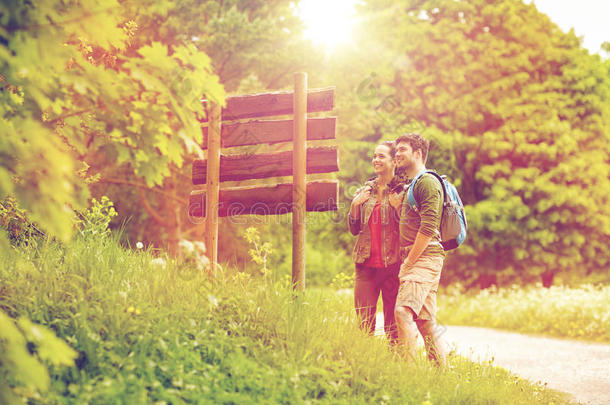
x=396, y=200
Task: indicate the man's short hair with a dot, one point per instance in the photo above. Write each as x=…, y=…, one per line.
x=416, y=141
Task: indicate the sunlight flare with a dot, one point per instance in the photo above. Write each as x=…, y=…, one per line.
x=328, y=23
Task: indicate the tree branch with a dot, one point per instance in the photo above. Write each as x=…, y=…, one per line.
x=72, y=114
x=156, y=217
x=143, y=186
x=276, y=79
x=192, y=230
x=52, y=23
x=177, y=173
x=224, y=62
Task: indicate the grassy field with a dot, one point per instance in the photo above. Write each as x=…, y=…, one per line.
x=145, y=332
x=580, y=312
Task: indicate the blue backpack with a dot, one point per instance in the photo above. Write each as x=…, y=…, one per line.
x=453, y=218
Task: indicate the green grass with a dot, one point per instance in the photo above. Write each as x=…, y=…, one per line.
x=167, y=335
x=580, y=312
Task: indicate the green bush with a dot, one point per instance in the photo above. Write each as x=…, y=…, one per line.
x=14, y=220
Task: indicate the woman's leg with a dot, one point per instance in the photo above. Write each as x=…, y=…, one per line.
x=389, y=289
x=366, y=293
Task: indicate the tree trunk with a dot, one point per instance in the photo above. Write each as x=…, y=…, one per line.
x=174, y=223
x=486, y=281
x=547, y=278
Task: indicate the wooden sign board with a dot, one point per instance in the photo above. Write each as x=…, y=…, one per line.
x=263, y=165
x=267, y=200
x=271, y=131
x=275, y=103
x=296, y=197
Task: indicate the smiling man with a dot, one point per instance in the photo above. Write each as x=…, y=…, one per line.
x=423, y=253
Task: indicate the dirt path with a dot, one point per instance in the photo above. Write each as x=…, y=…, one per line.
x=578, y=368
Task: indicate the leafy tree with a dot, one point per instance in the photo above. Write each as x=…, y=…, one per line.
x=524, y=109
x=76, y=83
x=250, y=46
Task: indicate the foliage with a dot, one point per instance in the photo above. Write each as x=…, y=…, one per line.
x=342, y=281
x=145, y=334
x=15, y=221
x=74, y=83
x=260, y=250
x=241, y=38
x=324, y=262
x=517, y=110
x=324, y=253
x=26, y=349
x=253, y=46
x=523, y=111
x=579, y=312
x=95, y=220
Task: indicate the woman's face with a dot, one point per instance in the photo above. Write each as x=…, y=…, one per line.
x=383, y=163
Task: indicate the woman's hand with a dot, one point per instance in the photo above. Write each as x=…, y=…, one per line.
x=362, y=195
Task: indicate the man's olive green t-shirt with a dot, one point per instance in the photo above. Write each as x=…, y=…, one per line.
x=428, y=194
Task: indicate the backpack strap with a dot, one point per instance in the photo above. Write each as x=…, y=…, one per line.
x=411, y=197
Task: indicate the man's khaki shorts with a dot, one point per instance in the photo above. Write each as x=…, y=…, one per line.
x=418, y=287
x=420, y=297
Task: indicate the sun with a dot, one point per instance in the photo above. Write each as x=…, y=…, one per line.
x=328, y=22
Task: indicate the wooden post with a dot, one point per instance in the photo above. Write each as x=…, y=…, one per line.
x=299, y=159
x=213, y=184
x=296, y=197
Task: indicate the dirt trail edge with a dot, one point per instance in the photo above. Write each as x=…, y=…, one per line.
x=579, y=368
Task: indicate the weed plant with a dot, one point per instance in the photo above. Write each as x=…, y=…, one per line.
x=150, y=331
x=581, y=312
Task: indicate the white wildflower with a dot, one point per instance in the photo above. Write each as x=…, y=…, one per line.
x=200, y=246
x=186, y=246
x=203, y=262
x=158, y=261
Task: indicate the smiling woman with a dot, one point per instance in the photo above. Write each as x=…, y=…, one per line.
x=327, y=22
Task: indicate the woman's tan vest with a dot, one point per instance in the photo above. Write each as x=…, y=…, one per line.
x=389, y=229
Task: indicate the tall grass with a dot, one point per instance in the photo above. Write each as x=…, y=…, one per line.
x=580, y=312
x=149, y=333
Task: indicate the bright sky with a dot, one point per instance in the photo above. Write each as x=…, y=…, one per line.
x=589, y=18
x=329, y=22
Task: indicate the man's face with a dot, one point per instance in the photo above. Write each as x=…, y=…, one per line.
x=405, y=157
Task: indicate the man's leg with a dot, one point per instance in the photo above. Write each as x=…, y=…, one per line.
x=407, y=331
x=366, y=294
x=427, y=327
x=409, y=302
x=433, y=342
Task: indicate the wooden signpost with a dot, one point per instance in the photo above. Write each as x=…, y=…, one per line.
x=296, y=197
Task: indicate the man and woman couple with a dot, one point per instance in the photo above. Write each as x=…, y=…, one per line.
x=398, y=251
